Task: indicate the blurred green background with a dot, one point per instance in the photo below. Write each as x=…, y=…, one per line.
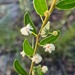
x=60, y=62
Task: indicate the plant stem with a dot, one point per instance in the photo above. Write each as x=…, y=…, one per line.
x=41, y=19
x=50, y=11
x=36, y=45
x=37, y=38
x=52, y=6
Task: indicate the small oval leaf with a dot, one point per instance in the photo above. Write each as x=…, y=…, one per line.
x=27, y=20
x=19, y=69
x=40, y=6
x=37, y=70
x=49, y=39
x=27, y=48
x=66, y=4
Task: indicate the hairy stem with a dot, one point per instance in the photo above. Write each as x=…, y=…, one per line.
x=37, y=38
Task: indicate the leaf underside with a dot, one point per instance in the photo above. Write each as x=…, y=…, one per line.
x=19, y=69
x=27, y=48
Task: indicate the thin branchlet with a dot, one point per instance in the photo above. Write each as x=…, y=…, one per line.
x=38, y=36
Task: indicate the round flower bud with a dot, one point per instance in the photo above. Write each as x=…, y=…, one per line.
x=49, y=48
x=37, y=58
x=55, y=33
x=44, y=69
x=26, y=30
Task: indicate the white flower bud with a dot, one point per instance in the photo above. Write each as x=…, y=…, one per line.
x=37, y=58
x=55, y=33
x=44, y=69
x=22, y=53
x=26, y=30
x=49, y=48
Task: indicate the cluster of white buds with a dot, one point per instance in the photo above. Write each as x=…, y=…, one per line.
x=26, y=30
x=37, y=58
x=49, y=48
x=44, y=69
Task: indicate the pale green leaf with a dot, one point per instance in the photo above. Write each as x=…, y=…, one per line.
x=66, y=4
x=19, y=69
x=49, y=39
x=40, y=6
x=27, y=48
x=37, y=70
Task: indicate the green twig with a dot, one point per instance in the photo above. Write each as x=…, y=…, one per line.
x=37, y=38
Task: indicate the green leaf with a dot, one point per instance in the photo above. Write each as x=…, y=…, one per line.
x=45, y=30
x=27, y=20
x=27, y=48
x=49, y=39
x=37, y=70
x=19, y=69
x=40, y=6
x=66, y=4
